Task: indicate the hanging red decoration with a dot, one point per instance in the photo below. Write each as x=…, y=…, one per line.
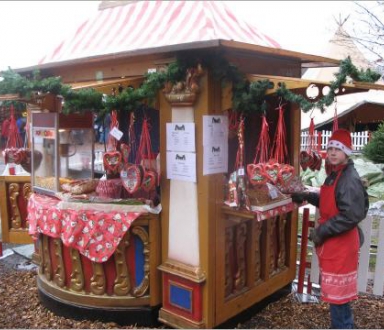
x=132, y=136
x=311, y=158
x=112, y=162
x=279, y=147
x=111, y=141
x=262, y=148
x=125, y=150
x=240, y=150
x=14, y=139
x=335, y=126
x=147, y=158
x=132, y=178
x=145, y=154
x=233, y=122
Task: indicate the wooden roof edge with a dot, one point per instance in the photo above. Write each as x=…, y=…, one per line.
x=298, y=83
x=124, y=54
x=307, y=60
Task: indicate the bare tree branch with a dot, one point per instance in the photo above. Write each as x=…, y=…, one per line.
x=364, y=27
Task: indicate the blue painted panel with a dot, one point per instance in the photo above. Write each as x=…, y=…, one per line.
x=139, y=260
x=180, y=297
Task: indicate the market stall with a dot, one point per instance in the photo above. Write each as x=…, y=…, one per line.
x=226, y=235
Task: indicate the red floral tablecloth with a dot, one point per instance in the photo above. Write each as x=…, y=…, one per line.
x=263, y=215
x=95, y=234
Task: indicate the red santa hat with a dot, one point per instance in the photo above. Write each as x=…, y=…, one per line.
x=342, y=140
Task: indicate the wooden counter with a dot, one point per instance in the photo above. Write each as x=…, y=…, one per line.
x=254, y=258
x=124, y=289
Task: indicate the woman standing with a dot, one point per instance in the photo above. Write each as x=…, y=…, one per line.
x=343, y=203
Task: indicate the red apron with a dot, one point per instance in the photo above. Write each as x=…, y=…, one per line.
x=338, y=256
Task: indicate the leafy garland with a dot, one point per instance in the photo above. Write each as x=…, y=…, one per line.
x=247, y=97
x=346, y=69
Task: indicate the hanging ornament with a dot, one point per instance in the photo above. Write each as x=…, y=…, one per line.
x=306, y=159
x=132, y=177
x=233, y=123
x=111, y=140
x=279, y=147
x=112, y=159
x=256, y=174
x=335, y=126
x=262, y=148
x=310, y=158
x=239, y=166
x=132, y=136
x=125, y=150
x=144, y=175
x=112, y=162
x=145, y=154
x=14, y=140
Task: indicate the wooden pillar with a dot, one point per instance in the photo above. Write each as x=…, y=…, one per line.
x=183, y=278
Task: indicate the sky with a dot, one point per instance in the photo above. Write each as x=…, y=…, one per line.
x=31, y=29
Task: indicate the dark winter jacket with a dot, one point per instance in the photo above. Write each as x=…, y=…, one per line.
x=351, y=200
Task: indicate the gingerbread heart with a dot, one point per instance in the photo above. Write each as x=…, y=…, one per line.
x=112, y=161
x=10, y=155
x=149, y=180
x=132, y=178
x=272, y=171
x=317, y=161
x=306, y=160
x=286, y=174
x=256, y=174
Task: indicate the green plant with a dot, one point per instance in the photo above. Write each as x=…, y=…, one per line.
x=374, y=149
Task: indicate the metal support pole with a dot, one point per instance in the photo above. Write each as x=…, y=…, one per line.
x=309, y=284
x=303, y=255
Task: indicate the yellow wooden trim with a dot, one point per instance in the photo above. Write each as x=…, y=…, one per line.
x=105, y=82
x=19, y=236
x=4, y=210
x=179, y=322
x=86, y=300
x=9, y=235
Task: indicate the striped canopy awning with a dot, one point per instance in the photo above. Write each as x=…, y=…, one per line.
x=152, y=24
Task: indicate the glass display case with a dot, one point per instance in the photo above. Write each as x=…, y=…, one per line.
x=62, y=150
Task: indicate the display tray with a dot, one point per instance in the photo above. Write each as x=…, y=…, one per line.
x=267, y=207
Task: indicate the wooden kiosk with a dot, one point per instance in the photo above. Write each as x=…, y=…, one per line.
x=215, y=261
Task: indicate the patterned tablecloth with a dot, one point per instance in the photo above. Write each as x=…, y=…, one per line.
x=263, y=215
x=94, y=233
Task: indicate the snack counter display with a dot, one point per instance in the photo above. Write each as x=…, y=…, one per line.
x=65, y=150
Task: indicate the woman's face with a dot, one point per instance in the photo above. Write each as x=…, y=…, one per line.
x=336, y=156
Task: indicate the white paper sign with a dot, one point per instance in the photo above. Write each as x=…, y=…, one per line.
x=181, y=137
x=181, y=166
x=215, y=129
x=215, y=158
x=116, y=133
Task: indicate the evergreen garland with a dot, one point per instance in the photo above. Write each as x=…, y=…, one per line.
x=346, y=69
x=247, y=97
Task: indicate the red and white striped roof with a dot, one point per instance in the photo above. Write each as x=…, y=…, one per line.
x=150, y=24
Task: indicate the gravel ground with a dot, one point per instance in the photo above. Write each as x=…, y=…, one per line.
x=21, y=308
